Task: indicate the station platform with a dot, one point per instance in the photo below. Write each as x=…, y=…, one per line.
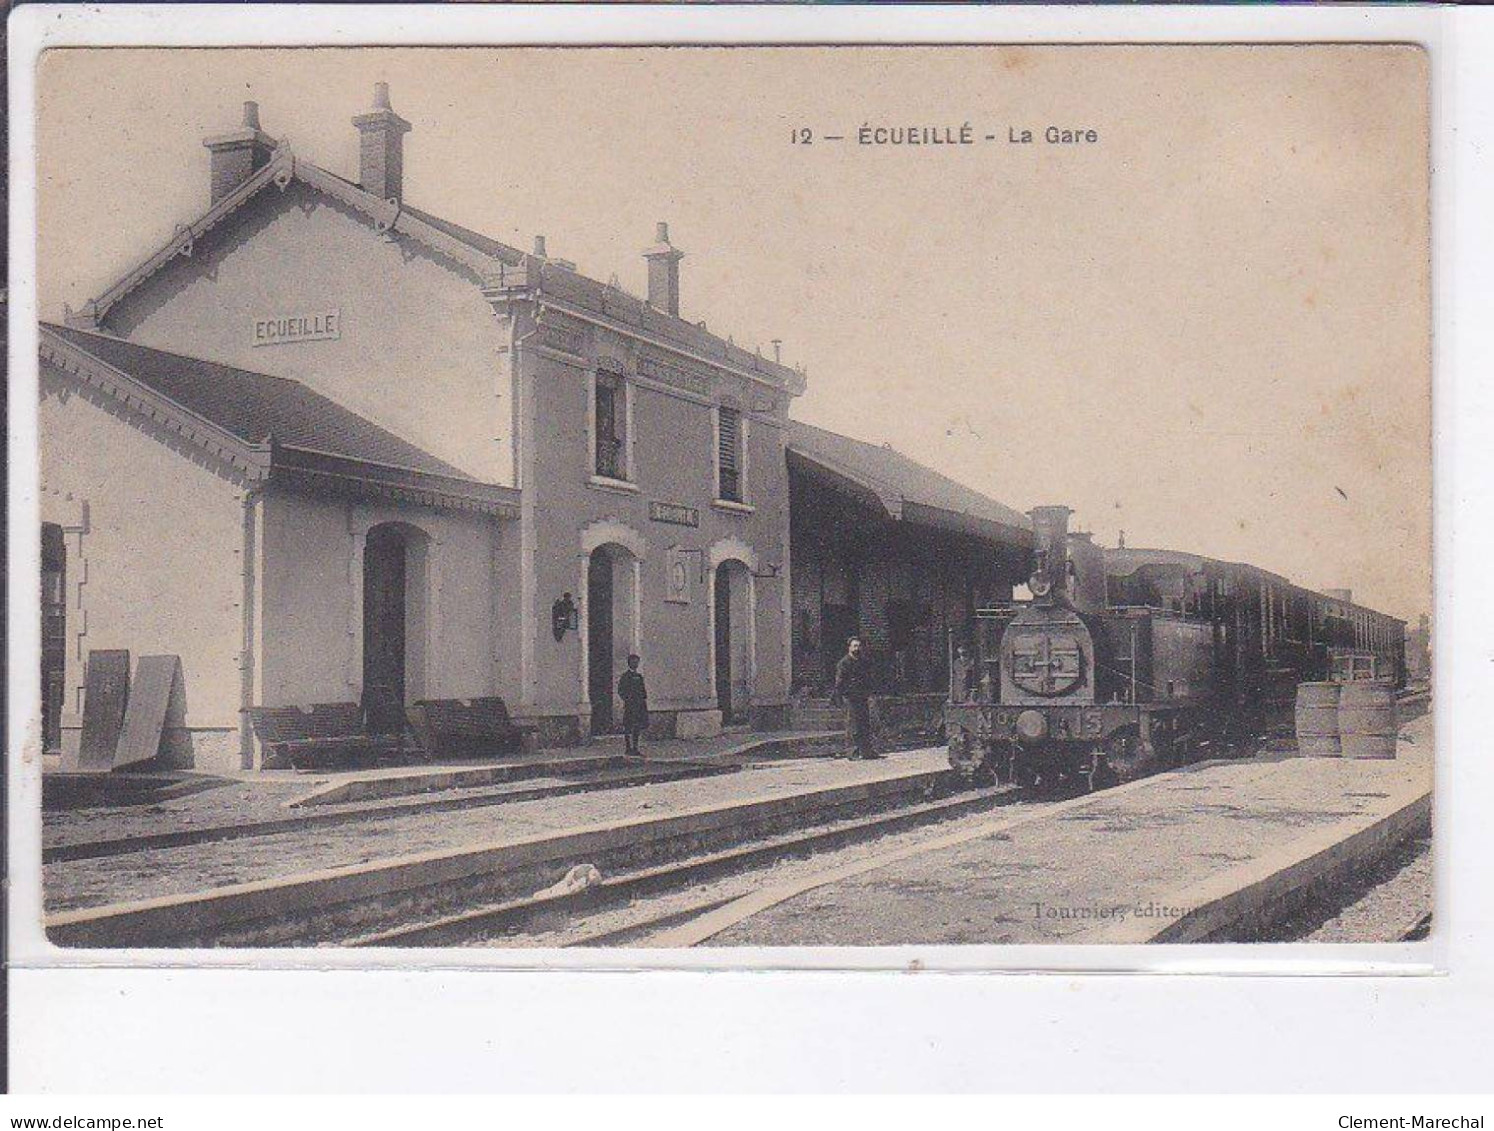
x=1214, y=851
x=244, y=851
x=150, y=802
x=1209, y=852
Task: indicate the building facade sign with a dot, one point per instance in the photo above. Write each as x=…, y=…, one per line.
x=676, y=514
x=694, y=382
x=284, y=329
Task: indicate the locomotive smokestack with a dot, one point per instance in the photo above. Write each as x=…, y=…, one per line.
x=1050, y=529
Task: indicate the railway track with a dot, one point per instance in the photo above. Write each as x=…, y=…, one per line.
x=489, y=892
x=546, y=909
x=609, y=884
x=1418, y=930
x=559, y=919
x=614, y=774
x=457, y=893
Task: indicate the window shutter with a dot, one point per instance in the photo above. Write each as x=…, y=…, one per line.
x=606, y=412
x=731, y=427
x=609, y=438
x=729, y=453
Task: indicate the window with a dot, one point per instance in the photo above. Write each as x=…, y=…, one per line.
x=611, y=424
x=729, y=454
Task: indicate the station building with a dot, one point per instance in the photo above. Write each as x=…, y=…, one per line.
x=326, y=447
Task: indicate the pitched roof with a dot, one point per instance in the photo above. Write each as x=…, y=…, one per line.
x=908, y=490
x=272, y=422
x=476, y=240
x=279, y=172
x=255, y=406
x=496, y=266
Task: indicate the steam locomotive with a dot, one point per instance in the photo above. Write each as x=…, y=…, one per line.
x=1127, y=660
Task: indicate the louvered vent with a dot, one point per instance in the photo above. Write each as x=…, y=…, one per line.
x=729, y=455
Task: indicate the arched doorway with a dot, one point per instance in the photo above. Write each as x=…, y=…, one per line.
x=394, y=623
x=611, y=628
x=53, y=633
x=733, y=629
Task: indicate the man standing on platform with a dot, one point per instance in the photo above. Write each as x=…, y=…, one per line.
x=634, y=694
x=964, y=676
x=853, y=688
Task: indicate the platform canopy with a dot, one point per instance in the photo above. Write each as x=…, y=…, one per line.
x=904, y=490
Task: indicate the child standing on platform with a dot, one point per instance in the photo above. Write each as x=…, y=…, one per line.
x=634, y=694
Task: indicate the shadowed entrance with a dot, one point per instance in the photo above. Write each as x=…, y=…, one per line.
x=394, y=616
x=610, y=614
x=733, y=640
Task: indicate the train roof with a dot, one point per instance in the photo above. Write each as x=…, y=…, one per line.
x=1121, y=562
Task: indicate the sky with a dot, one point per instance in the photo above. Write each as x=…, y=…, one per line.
x=1209, y=328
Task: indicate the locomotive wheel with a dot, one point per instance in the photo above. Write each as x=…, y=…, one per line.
x=1025, y=770
x=986, y=772
x=971, y=757
x=962, y=754
x=999, y=757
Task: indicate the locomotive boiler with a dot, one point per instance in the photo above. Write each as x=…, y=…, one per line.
x=1066, y=687
x=1126, y=660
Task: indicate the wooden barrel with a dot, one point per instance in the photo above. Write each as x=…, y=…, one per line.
x=1317, y=720
x=1367, y=722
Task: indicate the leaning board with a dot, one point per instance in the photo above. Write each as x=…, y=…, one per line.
x=106, y=690
x=156, y=679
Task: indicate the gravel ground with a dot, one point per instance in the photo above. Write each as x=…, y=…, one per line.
x=199, y=867
x=1049, y=881
x=1233, y=829
x=1382, y=906
x=264, y=796
x=228, y=802
x=642, y=911
x=1070, y=878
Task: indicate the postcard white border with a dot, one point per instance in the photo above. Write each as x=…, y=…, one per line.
x=1457, y=41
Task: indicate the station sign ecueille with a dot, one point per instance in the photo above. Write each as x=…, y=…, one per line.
x=303, y=326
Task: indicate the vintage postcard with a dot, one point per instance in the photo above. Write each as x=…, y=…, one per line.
x=734, y=497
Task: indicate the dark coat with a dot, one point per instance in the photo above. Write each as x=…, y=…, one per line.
x=964, y=678
x=634, y=694
x=853, y=678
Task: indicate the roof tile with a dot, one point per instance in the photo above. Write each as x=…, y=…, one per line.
x=255, y=406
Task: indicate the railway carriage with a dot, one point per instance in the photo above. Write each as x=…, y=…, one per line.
x=1124, y=660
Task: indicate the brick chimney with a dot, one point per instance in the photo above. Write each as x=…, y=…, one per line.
x=237, y=156
x=381, y=149
x=663, y=272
